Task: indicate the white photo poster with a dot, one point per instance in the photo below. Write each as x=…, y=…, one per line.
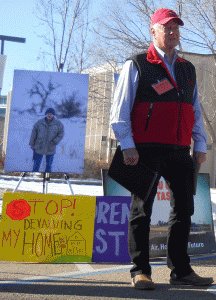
x=47, y=122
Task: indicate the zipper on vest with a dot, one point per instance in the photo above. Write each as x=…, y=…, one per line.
x=149, y=116
x=179, y=117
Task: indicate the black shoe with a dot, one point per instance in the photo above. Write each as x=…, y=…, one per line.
x=192, y=279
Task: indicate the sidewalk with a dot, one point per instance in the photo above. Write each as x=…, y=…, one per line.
x=96, y=281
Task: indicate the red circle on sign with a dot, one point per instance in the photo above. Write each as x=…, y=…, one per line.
x=18, y=209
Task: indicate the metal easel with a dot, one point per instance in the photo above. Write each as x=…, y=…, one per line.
x=46, y=179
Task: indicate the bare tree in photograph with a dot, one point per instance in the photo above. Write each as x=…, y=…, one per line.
x=42, y=93
x=68, y=107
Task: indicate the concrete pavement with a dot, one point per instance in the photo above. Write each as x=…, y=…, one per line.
x=96, y=281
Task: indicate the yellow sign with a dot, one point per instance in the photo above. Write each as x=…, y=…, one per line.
x=47, y=228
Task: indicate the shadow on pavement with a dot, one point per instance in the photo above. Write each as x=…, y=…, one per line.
x=100, y=289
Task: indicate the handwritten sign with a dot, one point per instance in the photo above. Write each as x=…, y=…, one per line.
x=47, y=228
x=111, y=230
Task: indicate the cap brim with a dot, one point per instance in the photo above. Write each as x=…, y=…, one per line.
x=165, y=21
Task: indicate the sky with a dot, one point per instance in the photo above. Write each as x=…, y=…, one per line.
x=17, y=19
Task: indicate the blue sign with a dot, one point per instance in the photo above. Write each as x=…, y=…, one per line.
x=202, y=236
x=111, y=230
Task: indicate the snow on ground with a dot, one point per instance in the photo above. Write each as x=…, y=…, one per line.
x=54, y=188
x=213, y=200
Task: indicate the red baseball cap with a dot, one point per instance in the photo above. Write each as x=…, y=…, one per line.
x=163, y=16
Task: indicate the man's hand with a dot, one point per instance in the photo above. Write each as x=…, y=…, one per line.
x=131, y=156
x=200, y=156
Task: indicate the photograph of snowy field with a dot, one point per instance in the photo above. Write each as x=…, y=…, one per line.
x=59, y=142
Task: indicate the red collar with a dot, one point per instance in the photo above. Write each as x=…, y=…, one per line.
x=154, y=58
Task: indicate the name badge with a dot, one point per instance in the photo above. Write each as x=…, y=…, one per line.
x=162, y=86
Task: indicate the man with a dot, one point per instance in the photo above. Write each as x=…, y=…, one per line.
x=155, y=114
x=46, y=135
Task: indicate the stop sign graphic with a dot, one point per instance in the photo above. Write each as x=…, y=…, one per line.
x=18, y=209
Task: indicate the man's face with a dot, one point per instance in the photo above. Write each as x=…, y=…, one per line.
x=166, y=37
x=49, y=116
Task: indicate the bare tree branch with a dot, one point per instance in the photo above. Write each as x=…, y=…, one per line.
x=61, y=18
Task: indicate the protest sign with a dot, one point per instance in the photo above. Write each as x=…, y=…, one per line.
x=202, y=237
x=47, y=228
x=111, y=230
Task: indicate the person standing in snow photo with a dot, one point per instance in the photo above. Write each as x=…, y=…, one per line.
x=46, y=135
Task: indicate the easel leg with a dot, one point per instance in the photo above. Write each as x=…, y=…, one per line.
x=45, y=183
x=67, y=178
x=22, y=176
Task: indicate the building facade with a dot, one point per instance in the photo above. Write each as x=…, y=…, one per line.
x=100, y=141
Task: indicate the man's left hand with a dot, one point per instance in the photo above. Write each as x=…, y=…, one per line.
x=200, y=156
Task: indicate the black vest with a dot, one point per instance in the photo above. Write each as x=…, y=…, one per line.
x=167, y=118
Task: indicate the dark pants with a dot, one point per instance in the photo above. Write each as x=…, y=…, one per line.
x=176, y=166
x=38, y=159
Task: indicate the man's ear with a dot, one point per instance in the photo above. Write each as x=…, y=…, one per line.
x=152, y=30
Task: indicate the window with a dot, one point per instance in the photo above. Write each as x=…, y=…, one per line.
x=3, y=100
x=114, y=144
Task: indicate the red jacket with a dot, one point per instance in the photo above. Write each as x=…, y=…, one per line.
x=167, y=118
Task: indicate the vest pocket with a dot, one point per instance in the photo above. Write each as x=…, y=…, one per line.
x=149, y=116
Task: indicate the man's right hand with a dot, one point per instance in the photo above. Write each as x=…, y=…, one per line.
x=131, y=156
